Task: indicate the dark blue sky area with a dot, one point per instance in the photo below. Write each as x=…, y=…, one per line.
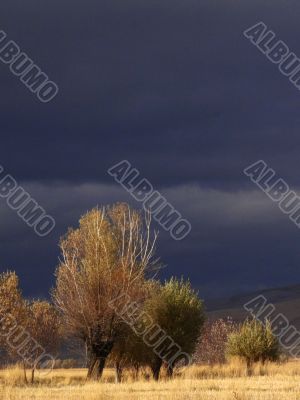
x=176, y=89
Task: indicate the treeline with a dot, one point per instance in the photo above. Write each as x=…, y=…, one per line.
x=30, y=331
x=107, y=297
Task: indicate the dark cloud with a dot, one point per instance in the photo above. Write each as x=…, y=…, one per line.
x=236, y=240
x=175, y=88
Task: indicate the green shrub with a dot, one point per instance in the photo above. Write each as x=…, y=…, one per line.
x=253, y=341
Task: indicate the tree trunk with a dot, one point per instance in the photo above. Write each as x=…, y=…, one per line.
x=118, y=371
x=97, y=355
x=249, y=367
x=96, y=368
x=170, y=371
x=156, y=366
x=91, y=364
x=99, y=367
x=136, y=369
x=32, y=375
x=25, y=376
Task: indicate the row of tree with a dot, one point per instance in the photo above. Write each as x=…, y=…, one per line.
x=109, y=260
x=107, y=270
x=28, y=329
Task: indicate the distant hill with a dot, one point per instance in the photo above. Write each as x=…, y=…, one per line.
x=285, y=299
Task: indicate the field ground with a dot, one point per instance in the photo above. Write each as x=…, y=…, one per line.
x=269, y=382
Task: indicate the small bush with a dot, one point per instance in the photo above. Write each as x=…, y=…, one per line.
x=211, y=346
x=253, y=342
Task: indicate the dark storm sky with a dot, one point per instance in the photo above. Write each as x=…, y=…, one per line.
x=175, y=88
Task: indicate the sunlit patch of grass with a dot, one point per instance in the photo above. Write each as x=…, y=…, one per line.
x=224, y=382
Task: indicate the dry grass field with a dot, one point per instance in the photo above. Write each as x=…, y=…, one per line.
x=269, y=382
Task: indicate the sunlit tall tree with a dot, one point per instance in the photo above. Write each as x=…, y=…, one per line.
x=106, y=258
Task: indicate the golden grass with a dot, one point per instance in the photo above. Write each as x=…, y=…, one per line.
x=226, y=382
